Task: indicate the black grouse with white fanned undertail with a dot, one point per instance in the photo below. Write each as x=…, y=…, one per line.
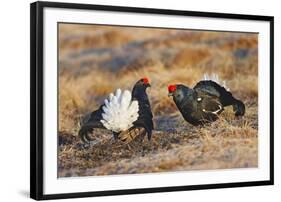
x=128, y=115
x=205, y=101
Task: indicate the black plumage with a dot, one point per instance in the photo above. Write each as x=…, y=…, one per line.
x=141, y=127
x=204, y=102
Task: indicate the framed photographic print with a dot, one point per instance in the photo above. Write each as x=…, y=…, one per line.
x=135, y=100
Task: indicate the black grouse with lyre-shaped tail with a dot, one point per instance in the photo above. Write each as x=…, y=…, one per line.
x=205, y=101
x=128, y=115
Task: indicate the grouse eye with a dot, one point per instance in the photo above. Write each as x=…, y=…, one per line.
x=199, y=99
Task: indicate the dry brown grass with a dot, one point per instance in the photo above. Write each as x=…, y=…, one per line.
x=95, y=60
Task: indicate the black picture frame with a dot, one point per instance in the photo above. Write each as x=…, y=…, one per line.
x=37, y=99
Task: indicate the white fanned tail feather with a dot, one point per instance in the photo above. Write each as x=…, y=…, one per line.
x=119, y=111
x=214, y=77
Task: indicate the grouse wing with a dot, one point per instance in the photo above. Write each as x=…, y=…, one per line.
x=214, y=89
x=89, y=122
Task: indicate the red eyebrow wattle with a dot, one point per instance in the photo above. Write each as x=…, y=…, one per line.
x=145, y=80
x=172, y=88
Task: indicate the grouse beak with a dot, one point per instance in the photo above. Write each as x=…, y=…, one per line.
x=170, y=94
x=148, y=85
